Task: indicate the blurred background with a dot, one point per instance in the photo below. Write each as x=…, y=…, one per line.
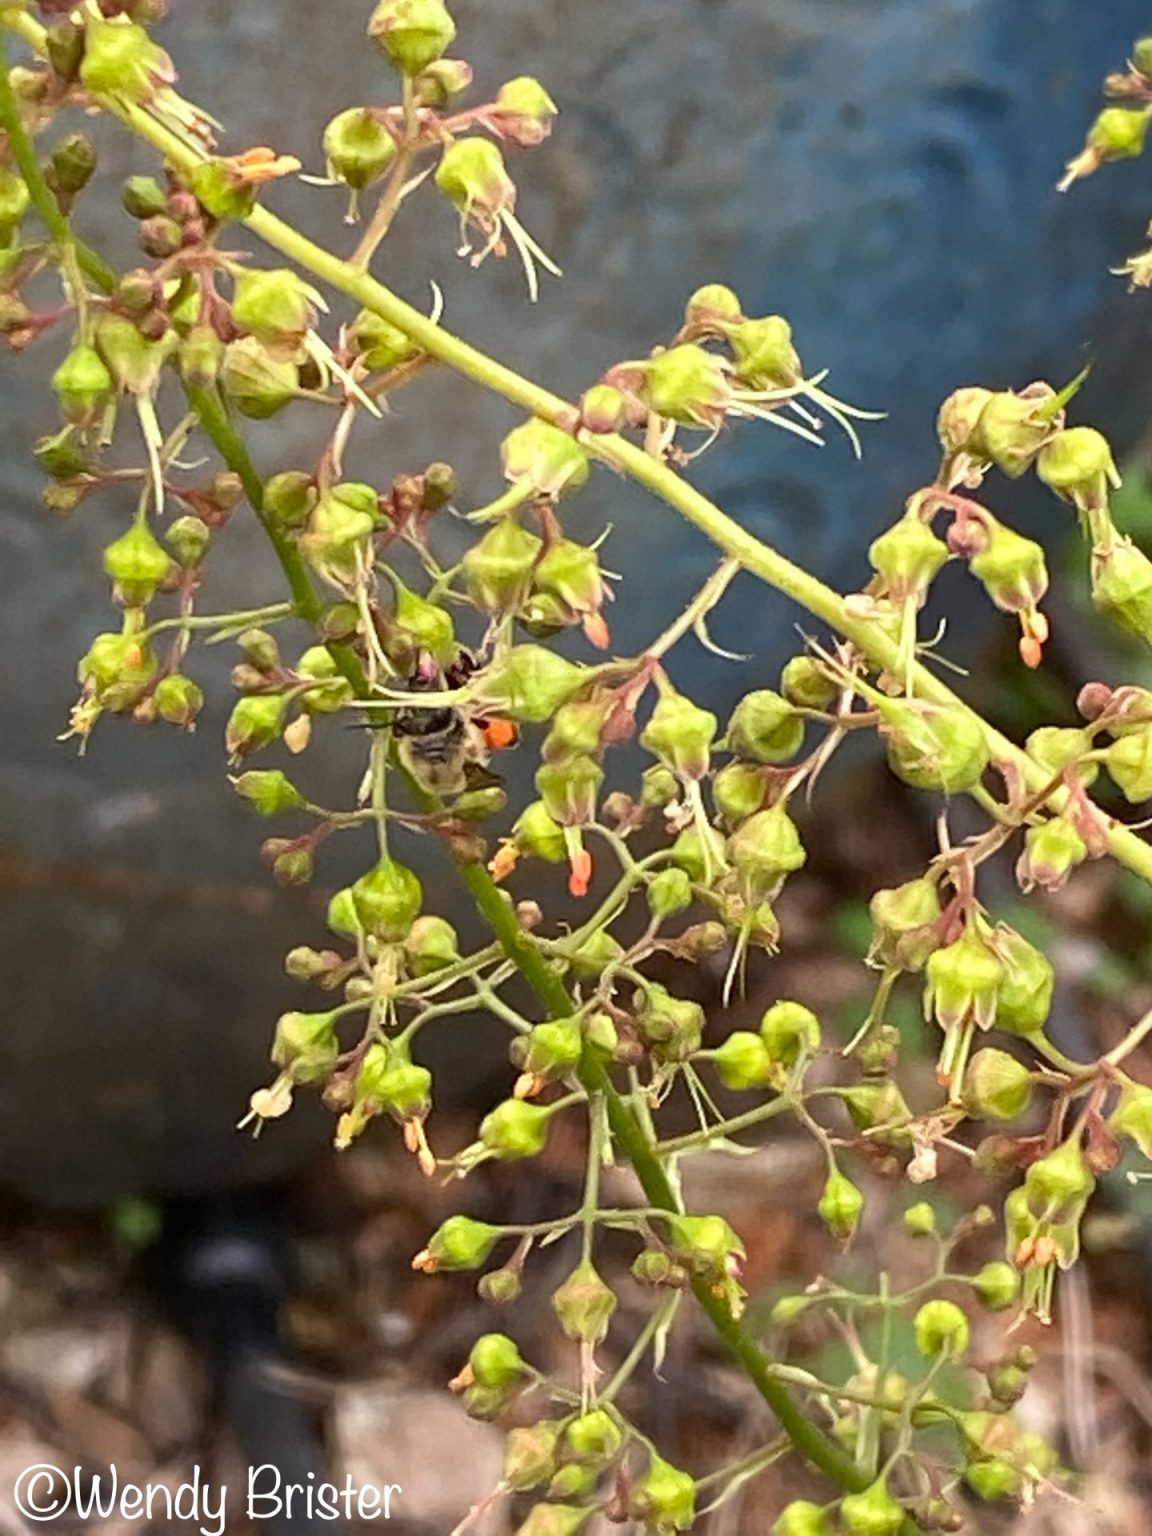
x=882, y=172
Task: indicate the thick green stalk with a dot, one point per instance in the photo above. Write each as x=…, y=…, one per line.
x=754, y=555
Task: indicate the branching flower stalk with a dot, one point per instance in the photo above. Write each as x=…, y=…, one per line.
x=448, y=664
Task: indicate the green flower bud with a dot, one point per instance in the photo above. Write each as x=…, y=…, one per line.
x=653, y=1266
x=569, y=790
x=83, y=385
x=305, y=1044
x=358, y=148
x=934, y=747
x=907, y=557
x=871, y=1513
x=390, y=1082
x=387, y=900
x=72, y=168
x=1007, y=1383
x=1057, y=747
x=583, y=1303
x=805, y=684
x=1142, y=55
x=920, y=1219
x=378, y=343
x=1010, y=431
x=473, y=177
x=801, y=1518
x=122, y=60
x=529, y=683
x=441, y=81
x=1012, y=570
x=342, y=521
x=765, y=728
x=738, y=791
x=498, y=570
x=117, y=668
x=1122, y=587
x=220, y=191
x=548, y=459
x=1118, y=133
x=413, y=33
x=63, y=454
x=964, y=980
x=133, y=359
x=1025, y=997
x=137, y=563
x=549, y=1051
x=269, y=791
x=530, y=1454
x=789, y=1031
x=593, y=1437
x=992, y=1479
x=143, y=197
x=201, y=357
x=958, y=417
x=459, y=1244
x=996, y=1086
x=289, y=498
x=1132, y=1116
x=1057, y=1187
x=1129, y=762
x=671, y=1027
x=877, y=1106
x=555, y=1520
x=765, y=850
x=840, y=1206
x=997, y=1285
x=687, y=853
x=257, y=383
x=577, y=729
x=668, y=893
x=254, y=723
x=603, y=408
x=515, y=1129
x=496, y=1361
x=539, y=836
x=418, y=625
x=904, y=924
x=430, y=944
x=658, y=787
x=596, y=954
x=714, y=307
x=525, y=110
x=664, y=1499
x=941, y=1328
x=178, y=700
x=275, y=306
x=571, y=572
x=1077, y=464
x=342, y=916
x=742, y=1061
x=763, y=353
x=688, y=385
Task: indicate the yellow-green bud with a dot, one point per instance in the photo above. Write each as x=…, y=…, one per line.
x=671, y=1027
x=688, y=385
x=1118, y=133
x=430, y=944
x=763, y=353
x=871, y=1513
x=269, y=791
x=669, y=892
x=941, y=1327
x=556, y=1520
x=551, y=461
x=276, y=306
x=413, y=33
x=907, y=557
x=537, y=834
x=1025, y=996
x=1077, y=464
x=118, y=668
x=498, y=570
x=1122, y=587
x=1057, y=1186
x=765, y=850
x=143, y=197
x=958, y=416
x=1010, y=432
x=765, y=728
x=583, y=1303
x=255, y=722
x=593, y=1437
x=742, y=1061
x=549, y=1051
x=1132, y=1116
x=305, y=1045
x=137, y=563
x=257, y=383
x=120, y=59
x=530, y=1454
x=964, y=980
x=801, y=1518
x=840, y=1206
x=525, y=110
x=529, y=683
x=201, y=357
x=83, y=385
x=496, y=1361
x=738, y=791
x=920, y=1219
x=461, y=1243
x=178, y=700
x=378, y=343
x=996, y=1086
x=472, y=176
x=997, y=1285
x=387, y=900
x=515, y=1129
x=934, y=747
x=789, y=1031
x=289, y=498
x=904, y=924
x=681, y=734
x=1012, y=570
x=1129, y=763
x=714, y=306
x=358, y=148
x=664, y=1499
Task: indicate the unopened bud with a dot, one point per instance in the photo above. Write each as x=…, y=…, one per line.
x=996, y=1086
x=413, y=33
x=358, y=147
x=940, y=1327
x=765, y=728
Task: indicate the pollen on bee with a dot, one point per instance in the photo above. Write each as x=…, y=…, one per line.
x=500, y=734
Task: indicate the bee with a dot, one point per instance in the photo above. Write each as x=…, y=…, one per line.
x=443, y=747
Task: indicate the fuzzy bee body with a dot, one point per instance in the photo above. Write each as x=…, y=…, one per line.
x=438, y=746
